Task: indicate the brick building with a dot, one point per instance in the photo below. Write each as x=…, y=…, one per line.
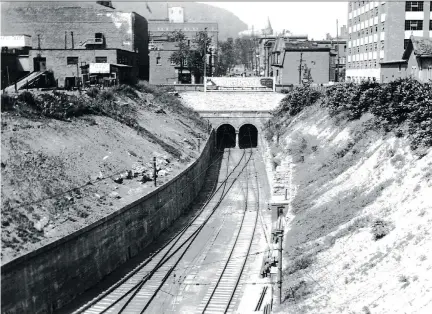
x=338, y=54
x=67, y=37
x=162, y=70
x=379, y=31
x=289, y=59
x=416, y=62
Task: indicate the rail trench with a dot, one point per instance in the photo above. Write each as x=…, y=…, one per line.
x=201, y=269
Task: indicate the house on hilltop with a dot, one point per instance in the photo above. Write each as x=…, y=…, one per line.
x=416, y=62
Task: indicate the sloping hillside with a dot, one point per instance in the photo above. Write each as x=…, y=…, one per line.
x=59, y=175
x=229, y=24
x=358, y=233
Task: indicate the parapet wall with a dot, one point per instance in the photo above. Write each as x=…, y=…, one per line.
x=50, y=277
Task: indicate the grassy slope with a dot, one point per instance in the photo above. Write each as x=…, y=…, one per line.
x=42, y=157
x=353, y=178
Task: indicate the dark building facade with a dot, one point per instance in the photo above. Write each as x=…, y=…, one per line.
x=65, y=37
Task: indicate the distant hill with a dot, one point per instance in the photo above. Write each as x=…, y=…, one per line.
x=229, y=24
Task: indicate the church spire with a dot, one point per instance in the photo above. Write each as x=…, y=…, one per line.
x=268, y=30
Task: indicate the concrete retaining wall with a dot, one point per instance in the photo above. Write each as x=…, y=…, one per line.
x=185, y=87
x=48, y=278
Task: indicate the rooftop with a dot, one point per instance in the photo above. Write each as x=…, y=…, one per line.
x=422, y=46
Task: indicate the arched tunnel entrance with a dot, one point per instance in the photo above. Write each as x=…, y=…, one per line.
x=248, y=136
x=225, y=136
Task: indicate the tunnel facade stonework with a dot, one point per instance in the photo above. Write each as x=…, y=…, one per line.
x=237, y=119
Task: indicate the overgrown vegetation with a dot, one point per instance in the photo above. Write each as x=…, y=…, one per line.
x=64, y=106
x=403, y=106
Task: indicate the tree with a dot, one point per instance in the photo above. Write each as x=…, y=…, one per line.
x=201, y=47
x=227, y=58
x=191, y=57
x=180, y=56
x=307, y=76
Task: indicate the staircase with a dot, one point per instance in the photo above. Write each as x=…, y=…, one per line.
x=22, y=83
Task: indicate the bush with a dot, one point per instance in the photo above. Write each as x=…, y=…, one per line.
x=107, y=95
x=145, y=87
x=7, y=103
x=126, y=90
x=296, y=100
x=28, y=98
x=401, y=101
x=92, y=92
x=380, y=229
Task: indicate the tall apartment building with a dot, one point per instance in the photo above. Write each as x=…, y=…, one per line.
x=379, y=31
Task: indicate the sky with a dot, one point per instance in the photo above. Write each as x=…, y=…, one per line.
x=312, y=18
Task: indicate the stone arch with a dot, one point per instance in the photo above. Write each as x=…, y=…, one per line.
x=248, y=136
x=225, y=136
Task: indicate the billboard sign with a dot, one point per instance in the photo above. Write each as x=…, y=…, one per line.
x=99, y=68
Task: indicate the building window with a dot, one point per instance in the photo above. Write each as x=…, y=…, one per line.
x=382, y=44
x=414, y=6
x=413, y=25
x=376, y=46
x=430, y=25
x=72, y=60
x=382, y=26
x=376, y=11
x=158, y=60
x=406, y=42
x=101, y=59
x=172, y=62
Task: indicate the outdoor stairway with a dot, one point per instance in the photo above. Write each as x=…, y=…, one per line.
x=33, y=76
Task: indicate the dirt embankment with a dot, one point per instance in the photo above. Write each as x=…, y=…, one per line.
x=358, y=235
x=59, y=175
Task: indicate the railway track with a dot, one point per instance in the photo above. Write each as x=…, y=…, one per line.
x=222, y=295
x=136, y=291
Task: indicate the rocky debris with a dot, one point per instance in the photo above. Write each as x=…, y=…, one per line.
x=129, y=175
x=118, y=180
x=69, y=198
x=160, y=110
x=41, y=224
x=162, y=173
x=115, y=194
x=145, y=178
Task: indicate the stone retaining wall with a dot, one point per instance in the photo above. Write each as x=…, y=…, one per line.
x=50, y=277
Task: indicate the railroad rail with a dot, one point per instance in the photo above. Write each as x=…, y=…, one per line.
x=135, y=292
x=221, y=296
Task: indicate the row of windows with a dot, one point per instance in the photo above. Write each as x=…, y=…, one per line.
x=358, y=4
x=158, y=61
x=74, y=60
x=122, y=60
x=413, y=25
x=366, y=47
x=364, y=64
x=414, y=6
x=369, y=30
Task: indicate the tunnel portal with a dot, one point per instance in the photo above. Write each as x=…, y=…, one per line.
x=226, y=136
x=248, y=136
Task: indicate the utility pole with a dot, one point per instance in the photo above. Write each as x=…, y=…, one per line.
x=154, y=170
x=300, y=66
x=205, y=55
x=337, y=45
x=280, y=266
